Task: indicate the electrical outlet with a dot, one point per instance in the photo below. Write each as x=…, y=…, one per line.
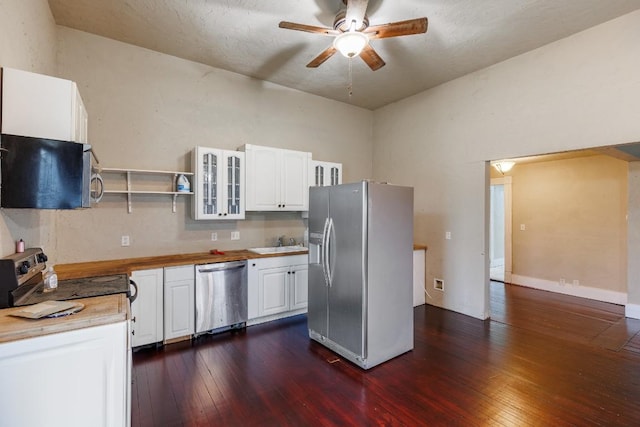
x=523, y=227
x=124, y=241
x=214, y=237
x=447, y=235
x=235, y=235
x=576, y=282
x=562, y=283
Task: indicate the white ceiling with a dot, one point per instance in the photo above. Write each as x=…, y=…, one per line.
x=243, y=36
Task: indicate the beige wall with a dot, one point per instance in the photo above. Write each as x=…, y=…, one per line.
x=574, y=212
x=27, y=42
x=148, y=110
x=579, y=92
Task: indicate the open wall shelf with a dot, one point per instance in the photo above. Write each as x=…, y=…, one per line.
x=130, y=177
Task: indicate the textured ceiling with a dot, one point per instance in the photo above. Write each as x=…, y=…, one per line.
x=243, y=36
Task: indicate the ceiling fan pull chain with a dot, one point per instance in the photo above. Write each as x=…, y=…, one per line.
x=350, y=86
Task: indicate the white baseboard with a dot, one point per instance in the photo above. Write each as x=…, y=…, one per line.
x=632, y=311
x=569, y=289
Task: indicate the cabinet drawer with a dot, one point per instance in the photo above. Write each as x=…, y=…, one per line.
x=184, y=272
x=281, y=261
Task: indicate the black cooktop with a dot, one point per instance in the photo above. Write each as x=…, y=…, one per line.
x=75, y=288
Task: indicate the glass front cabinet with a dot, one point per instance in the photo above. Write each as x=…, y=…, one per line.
x=323, y=174
x=218, y=184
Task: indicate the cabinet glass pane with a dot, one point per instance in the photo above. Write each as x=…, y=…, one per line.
x=233, y=185
x=210, y=183
x=334, y=176
x=319, y=176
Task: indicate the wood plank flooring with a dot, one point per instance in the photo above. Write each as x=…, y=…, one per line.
x=538, y=362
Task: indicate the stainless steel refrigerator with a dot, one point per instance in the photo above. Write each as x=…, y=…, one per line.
x=360, y=270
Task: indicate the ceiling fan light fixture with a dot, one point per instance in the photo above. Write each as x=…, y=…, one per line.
x=350, y=43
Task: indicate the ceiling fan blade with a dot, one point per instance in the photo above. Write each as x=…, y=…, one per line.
x=324, y=55
x=356, y=9
x=371, y=57
x=308, y=28
x=395, y=29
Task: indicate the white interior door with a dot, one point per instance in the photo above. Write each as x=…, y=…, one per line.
x=500, y=229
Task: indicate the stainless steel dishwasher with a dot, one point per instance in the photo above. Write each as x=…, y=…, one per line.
x=221, y=295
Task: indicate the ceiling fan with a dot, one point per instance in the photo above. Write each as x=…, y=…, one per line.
x=352, y=33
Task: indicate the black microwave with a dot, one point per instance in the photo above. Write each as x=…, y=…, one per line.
x=43, y=173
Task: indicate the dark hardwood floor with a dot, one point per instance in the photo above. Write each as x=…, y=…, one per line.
x=544, y=359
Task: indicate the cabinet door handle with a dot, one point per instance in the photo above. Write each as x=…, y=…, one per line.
x=133, y=332
x=134, y=319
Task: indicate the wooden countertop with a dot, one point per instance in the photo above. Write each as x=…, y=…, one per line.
x=97, y=311
x=126, y=266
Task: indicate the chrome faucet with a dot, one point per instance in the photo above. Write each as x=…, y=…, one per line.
x=292, y=241
x=280, y=241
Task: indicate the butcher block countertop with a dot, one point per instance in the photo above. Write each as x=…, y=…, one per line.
x=126, y=266
x=97, y=311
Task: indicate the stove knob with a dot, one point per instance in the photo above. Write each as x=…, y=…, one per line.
x=42, y=258
x=24, y=268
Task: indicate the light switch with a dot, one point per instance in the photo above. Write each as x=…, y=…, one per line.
x=522, y=227
x=447, y=235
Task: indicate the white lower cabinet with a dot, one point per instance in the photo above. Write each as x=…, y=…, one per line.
x=147, y=309
x=179, y=301
x=277, y=287
x=74, y=378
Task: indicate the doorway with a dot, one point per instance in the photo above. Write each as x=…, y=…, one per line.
x=500, y=230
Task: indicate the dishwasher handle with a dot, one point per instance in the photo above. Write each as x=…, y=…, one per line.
x=211, y=268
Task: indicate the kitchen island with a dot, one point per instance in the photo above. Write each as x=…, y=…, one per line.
x=67, y=371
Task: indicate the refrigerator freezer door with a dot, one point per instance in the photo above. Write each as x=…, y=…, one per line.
x=346, y=254
x=318, y=220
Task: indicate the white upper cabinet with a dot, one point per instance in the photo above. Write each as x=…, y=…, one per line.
x=322, y=174
x=218, y=184
x=42, y=106
x=277, y=179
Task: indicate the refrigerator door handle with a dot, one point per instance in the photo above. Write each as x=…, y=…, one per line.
x=330, y=251
x=323, y=251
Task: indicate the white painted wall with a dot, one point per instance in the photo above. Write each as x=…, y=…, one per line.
x=27, y=42
x=148, y=110
x=579, y=92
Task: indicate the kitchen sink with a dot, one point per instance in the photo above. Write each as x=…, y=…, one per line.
x=278, y=249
